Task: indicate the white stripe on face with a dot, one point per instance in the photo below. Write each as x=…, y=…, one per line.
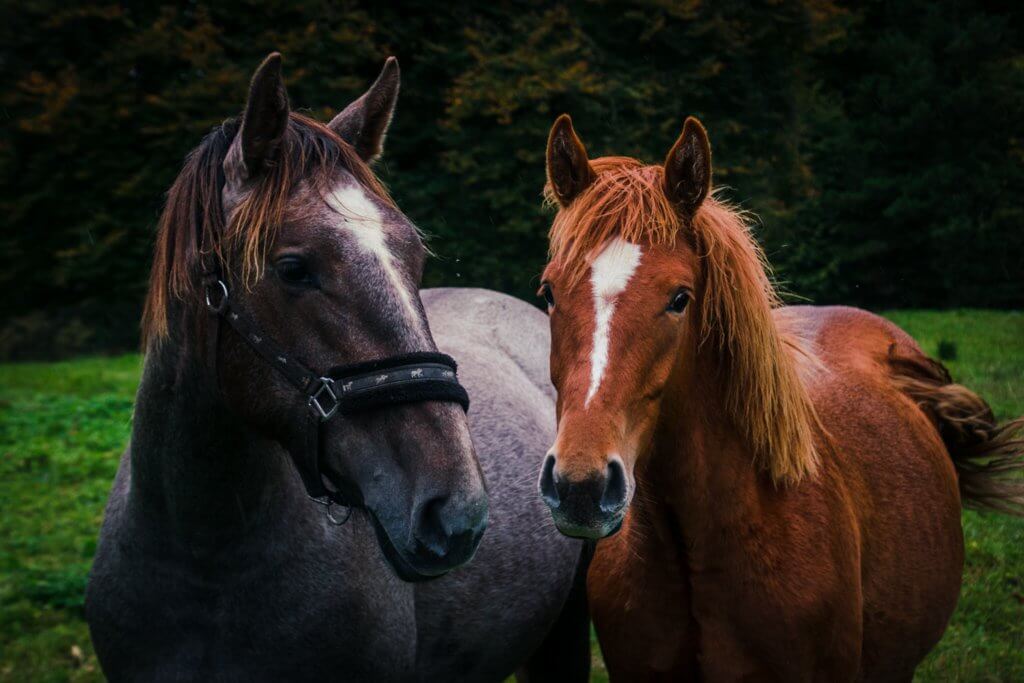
x=609, y=274
x=364, y=222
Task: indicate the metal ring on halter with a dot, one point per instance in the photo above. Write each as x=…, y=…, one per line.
x=220, y=305
x=332, y=519
x=328, y=503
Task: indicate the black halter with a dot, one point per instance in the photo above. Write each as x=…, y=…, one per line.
x=346, y=389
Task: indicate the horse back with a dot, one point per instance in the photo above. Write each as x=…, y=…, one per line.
x=886, y=454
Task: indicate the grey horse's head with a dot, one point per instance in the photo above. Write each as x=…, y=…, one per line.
x=326, y=264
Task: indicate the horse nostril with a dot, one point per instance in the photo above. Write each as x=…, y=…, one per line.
x=614, y=497
x=430, y=527
x=548, y=490
x=451, y=524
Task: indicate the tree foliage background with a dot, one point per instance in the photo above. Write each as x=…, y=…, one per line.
x=880, y=143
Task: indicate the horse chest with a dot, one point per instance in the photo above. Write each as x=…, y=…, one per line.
x=641, y=606
x=293, y=616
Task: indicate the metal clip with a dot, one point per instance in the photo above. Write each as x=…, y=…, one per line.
x=324, y=394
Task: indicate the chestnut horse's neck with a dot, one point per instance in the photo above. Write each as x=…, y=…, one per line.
x=700, y=463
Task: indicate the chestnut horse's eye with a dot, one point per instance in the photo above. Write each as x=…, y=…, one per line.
x=549, y=297
x=293, y=271
x=679, y=301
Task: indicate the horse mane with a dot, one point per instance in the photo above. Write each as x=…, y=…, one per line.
x=193, y=226
x=759, y=362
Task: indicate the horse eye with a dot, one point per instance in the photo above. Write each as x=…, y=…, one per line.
x=549, y=297
x=293, y=271
x=678, y=302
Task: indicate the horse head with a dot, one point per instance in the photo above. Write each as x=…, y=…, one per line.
x=654, y=284
x=324, y=270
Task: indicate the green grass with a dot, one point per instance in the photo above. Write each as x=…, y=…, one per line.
x=985, y=639
x=62, y=429
x=63, y=426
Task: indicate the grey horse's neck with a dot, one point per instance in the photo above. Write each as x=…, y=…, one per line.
x=198, y=474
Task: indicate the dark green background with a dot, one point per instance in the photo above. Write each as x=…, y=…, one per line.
x=880, y=143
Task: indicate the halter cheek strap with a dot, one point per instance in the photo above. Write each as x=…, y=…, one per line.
x=346, y=389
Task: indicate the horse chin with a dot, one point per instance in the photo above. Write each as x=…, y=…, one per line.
x=605, y=529
x=402, y=567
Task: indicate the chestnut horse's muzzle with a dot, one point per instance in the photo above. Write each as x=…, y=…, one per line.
x=589, y=507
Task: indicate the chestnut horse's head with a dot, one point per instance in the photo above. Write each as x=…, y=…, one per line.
x=646, y=268
x=324, y=263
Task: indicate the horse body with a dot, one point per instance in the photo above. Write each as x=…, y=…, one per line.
x=284, y=278
x=786, y=482
x=259, y=585
x=852, y=576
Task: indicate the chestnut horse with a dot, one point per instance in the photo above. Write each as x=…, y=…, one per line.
x=796, y=474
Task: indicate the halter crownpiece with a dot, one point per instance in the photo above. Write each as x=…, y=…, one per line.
x=346, y=389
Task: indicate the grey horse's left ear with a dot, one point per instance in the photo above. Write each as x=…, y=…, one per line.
x=364, y=123
x=263, y=123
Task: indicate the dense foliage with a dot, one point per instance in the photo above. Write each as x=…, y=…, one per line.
x=880, y=143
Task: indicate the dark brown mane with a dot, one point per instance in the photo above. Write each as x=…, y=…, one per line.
x=764, y=392
x=192, y=224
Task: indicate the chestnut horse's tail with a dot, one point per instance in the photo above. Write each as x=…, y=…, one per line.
x=989, y=457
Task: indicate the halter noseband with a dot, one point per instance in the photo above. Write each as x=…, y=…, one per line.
x=345, y=389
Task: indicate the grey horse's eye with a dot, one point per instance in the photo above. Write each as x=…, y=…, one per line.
x=549, y=297
x=293, y=271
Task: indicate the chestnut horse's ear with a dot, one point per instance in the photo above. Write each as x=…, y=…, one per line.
x=569, y=170
x=263, y=123
x=688, y=167
x=364, y=123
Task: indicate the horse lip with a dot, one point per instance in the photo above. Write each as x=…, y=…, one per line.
x=590, y=533
x=401, y=566
x=400, y=563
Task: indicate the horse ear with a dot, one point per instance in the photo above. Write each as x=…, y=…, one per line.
x=263, y=123
x=688, y=167
x=364, y=123
x=569, y=170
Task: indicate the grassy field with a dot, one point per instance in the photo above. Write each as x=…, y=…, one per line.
x=63, y=425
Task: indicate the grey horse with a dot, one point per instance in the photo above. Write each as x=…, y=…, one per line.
x=213, y=561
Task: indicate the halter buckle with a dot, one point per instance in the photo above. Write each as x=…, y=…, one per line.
x=324, y=401
x=218, y=302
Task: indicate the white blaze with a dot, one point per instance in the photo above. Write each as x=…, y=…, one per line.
x=609, y=274
x=364, y=222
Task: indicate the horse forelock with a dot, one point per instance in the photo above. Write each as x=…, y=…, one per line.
x=764, y=391
x=193, y=226
x=625, y=200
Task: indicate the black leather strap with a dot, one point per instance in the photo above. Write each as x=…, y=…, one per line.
x=218, y=301
x=408, y=378
x=405, y=378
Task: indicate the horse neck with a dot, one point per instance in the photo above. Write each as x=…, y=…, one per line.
x=197, y=472
x=699, y=460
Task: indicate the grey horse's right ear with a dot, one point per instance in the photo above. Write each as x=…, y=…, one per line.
x=364, y=123
x=263, y=123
